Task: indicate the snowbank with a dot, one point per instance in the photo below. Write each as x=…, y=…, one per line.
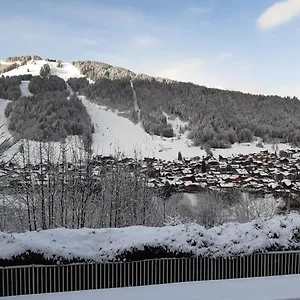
x=279, y=233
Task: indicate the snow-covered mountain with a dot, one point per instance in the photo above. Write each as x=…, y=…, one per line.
x=115, y=133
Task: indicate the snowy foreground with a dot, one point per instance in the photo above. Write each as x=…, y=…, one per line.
x=271, y=288
x=281, y=232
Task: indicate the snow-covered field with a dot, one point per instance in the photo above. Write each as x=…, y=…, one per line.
x=67, y=70
x=270, y=288
x=114, y=133
x=280, y=232
x=248, y=148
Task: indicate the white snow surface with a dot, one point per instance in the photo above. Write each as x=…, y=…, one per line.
x=100, y=245
x=67, y=70
x=24, y=89
x=116, y=134
x=268, y=288
x=248, y=148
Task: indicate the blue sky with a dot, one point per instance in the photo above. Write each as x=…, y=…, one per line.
x=252, y=45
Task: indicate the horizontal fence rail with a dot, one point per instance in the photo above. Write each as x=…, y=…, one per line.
x=36, y=279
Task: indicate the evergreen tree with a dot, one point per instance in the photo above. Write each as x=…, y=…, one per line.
x=45, y=71
x=179, y=156
x=203, y=165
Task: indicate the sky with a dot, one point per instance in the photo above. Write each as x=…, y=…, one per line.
x=252, y=46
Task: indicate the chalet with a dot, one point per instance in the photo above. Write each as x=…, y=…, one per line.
x=212, y=163
x=242, y=172
x=191, y=187
x=188, y=178
x=186, y=171
x=286, y=183
x=227, y=185
x=285, y=153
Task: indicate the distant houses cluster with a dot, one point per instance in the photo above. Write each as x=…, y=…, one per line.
x=263, y=172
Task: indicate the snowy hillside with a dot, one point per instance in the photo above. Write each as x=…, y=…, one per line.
x=117, y=134
x=278, y=233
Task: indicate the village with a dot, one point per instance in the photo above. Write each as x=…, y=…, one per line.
x=264, y=172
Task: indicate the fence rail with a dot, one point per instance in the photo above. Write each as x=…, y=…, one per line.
x=35, y=279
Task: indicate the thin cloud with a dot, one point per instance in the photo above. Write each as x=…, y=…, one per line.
x=88, y=42
x=198, y=9
x=182, y=71
x=225, y=55
x=146, y=41
x=279, y=14
x=192, y=70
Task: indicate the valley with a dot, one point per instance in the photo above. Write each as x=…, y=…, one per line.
x=182, y=180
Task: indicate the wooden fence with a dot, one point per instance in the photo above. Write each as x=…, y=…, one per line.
x=36, y=279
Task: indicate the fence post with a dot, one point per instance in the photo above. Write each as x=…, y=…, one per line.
x=98, y=278
x=66, y=279
x=292, y=263
x=197, y=268
x=298, y=271
x=167, y=279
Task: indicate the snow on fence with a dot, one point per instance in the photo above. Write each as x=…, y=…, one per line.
x=36, y=279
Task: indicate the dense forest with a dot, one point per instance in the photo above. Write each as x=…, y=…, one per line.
x=217, y=118
x=50, y=114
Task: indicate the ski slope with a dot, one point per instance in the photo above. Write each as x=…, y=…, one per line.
x=270, y=288
x=116, y=134
x=24, y=89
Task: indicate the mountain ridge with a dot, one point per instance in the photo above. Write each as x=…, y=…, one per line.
x=236, y=111
x=212, y=118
